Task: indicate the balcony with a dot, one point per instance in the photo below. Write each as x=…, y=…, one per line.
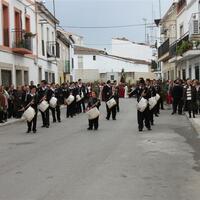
x=22, y=42
x=194, y=24
x=163, y=51
x=173, y=49
x=53, y=50
x=183, y=49
x=67, y=67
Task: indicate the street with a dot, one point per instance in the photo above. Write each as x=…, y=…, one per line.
x=67, y=162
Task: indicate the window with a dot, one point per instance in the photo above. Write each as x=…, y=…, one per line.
x=46, y=76
x=18, y=77
x=5, y=25
x=27, y=24
x=181, y=28
x=184, y=74
x=18, y=26
x=26, y=77
x=112, y=77
x=6, y=77
x=42, y=38
x=197, y=72
x=94, y=57
x=190, y=72
x=80, y=62
x=47, y=34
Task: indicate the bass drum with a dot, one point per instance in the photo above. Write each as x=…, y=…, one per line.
x=93, y=113
x=111, y=103
x=53, y=102
x=69, y=100
x=29, y=114
x=43, y=106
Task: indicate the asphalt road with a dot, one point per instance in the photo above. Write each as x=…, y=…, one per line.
x=67, y=162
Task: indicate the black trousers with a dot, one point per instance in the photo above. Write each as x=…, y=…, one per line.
x=177, y=103
x=151, y=115
x=94, y=123
x=83, y=105
x=1, y=116
x=45, y=117
x=143, y=118
x=58, y=112
x=191, y=107
x=33, y=123
x=71, y=109
x=117, y=101
x=113, y=110
x=53, y=112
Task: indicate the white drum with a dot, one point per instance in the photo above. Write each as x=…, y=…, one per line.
x=157, y=97
x=29, y=114
x=78, y=98
x=111, y=103
x=152, y=102
x=53, y=102
x=43, y=106
x=93, y=113
x=69, y=100
x=142, y=104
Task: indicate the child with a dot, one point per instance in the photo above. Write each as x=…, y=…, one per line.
x=93, y=102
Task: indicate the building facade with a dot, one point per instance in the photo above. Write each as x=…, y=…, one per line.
x=184, y=52
x=18, y=49
x=93, y=64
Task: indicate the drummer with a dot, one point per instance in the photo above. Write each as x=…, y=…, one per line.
x=32, y=100
x=93, y=102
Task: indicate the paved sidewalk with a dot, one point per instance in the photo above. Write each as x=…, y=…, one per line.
x=195, y=122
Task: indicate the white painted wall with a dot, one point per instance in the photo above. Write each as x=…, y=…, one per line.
x=131, y=50
x=107, y=65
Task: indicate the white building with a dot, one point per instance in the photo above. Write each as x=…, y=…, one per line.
x=65, y=57
x=93, y=64
x=128, y=49
x=185, y=51
x=28, y=47
x=48, y=47
x=18, y=48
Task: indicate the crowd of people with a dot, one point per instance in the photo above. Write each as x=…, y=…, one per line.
x=182, y=95
x=14, y=102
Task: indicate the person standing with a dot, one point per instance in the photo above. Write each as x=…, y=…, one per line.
x=42, y=94
x=59, y=95
x=108, y=94
x=32, y=100
x=190, y=97
x=141, y=91
x=177, y=96
x=2, y=104
x=93, y=102
x=151, y=93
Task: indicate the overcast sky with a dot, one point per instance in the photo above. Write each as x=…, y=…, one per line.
x=107, y=13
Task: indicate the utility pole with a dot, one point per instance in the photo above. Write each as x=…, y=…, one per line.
x=160, y=11
x=145, y=29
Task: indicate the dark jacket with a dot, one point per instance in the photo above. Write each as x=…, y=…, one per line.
x=177, y=92
x=107, y=92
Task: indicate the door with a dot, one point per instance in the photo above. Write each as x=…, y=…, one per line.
x=6, y=77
